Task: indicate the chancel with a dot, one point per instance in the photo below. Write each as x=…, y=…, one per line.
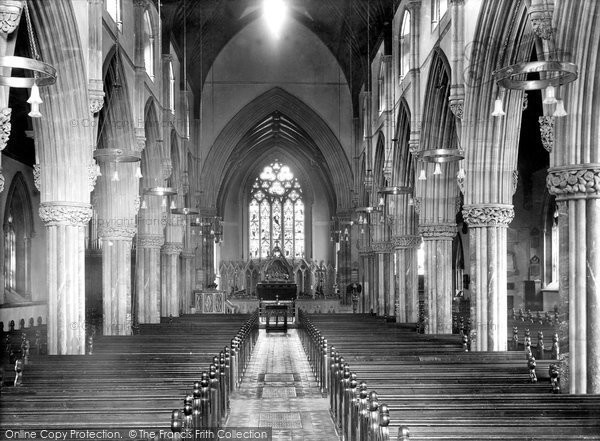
x=321, y=219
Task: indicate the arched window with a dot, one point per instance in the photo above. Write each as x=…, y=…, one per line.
x=148, y=45
x=113, y=7
x=276, y=213
x=171, y=88
x=404, y=46
x=18, y=230
x=439, y=9
x=381, y=86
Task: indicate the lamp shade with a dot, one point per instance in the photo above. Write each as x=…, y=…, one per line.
x=498, y=110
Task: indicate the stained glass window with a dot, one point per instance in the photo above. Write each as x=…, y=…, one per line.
x=276, y=213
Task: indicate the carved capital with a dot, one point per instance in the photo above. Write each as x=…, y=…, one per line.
x=438, y=231
x=155, y=241
x=188, y=253
x=10, y=15
x=547, y=131
x=484, y=215
x=116, y=230
x=382, y=247
x=406, y=242
x=172, y=248
x=574, y=182
x=70, y=214
x=4, y=126
x=37, y=176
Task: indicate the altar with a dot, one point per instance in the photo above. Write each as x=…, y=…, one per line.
x=277, y=294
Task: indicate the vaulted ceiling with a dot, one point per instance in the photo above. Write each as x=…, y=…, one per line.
x=351, y=29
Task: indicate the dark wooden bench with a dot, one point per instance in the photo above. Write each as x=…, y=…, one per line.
x=451, y=394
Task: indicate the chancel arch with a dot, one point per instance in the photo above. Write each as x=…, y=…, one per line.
x=251, y=116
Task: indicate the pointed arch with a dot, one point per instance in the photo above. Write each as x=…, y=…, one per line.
x=219, y=157
x=18, y=231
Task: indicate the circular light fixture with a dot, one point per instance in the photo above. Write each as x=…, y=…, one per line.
x=557, y=73
x=395, y=190
x=117, y=155
x=442, y=155
x=44, y=74
x=185, y=211
x=160, y=191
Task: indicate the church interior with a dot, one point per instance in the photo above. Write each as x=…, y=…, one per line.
x=311, y=219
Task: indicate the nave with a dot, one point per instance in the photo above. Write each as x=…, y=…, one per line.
x=337, y=376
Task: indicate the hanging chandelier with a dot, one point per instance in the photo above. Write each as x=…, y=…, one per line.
x=553, y=73
x=43, y=74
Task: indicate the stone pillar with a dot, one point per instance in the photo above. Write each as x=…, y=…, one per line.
x=170, y=295
x=187, y=256
x=407, y=301
x=65, y=252
x=577, y=191
x=148, y=277
x=438, y=276
x=116, y=278
x=487, y=225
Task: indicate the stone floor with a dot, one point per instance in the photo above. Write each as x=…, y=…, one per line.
x=279, y=391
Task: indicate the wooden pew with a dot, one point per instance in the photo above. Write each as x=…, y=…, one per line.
x=451, y=394
x=128, y=382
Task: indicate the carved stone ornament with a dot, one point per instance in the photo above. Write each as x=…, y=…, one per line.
x=574, y=182
x=116, y=231
x=96, y=101
x=417, y=204
x=515, y=180
x=1, y=181
x=4, y=126
x=10, y=15
x=137, y=202
x=140, y=143
x=188, y=254
x=167, y=168
x=65, y=214
x=155, y=241
x=547, y=131
x=438, y=231
x=406, y=242
x=92, y=170
x=460, y=180
x=172, y=248
x=488, y=215
x=542, y=26
x=382, y=247
x=457, y=106
x=37, y=176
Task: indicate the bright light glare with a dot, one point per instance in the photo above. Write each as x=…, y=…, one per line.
x=274, y=12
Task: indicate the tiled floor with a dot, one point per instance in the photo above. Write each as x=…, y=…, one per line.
x=280, y=391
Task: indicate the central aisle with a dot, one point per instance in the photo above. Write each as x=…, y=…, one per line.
x=279, y=391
